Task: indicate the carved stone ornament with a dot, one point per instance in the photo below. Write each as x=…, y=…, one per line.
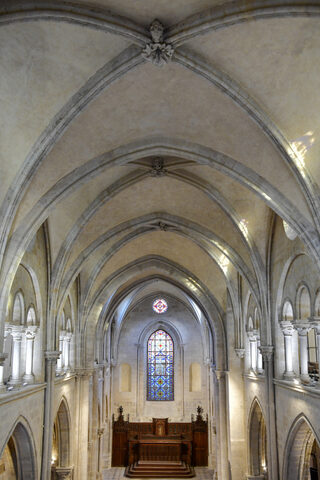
x=162, y=226
x=240, y=352
x=157, y=51
x=157, y=169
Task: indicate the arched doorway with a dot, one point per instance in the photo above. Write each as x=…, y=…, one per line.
x=60, y=456
x=257, y=442
x=17, y=460
x=302, y=453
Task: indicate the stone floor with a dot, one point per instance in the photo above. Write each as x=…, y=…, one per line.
x=117, y=473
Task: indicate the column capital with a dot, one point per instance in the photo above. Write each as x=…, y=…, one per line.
x=253, y=335
x=315, y=323
x=84, y=372
x=220, y=374
x=3, y=357
x=267, y=352
x=302, y=328
x=286, y=327
x=240, y=352
x=16, y=332
x=64, y=472
x=31, y=331
x=52, y=355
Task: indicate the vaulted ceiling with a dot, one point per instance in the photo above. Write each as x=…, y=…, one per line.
x=128, y=160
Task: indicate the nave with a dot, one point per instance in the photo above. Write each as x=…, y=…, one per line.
x=159, y=239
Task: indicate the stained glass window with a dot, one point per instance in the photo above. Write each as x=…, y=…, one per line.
x=160, y=305
x=160, y=367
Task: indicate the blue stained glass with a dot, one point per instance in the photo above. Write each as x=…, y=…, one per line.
x=160, y=367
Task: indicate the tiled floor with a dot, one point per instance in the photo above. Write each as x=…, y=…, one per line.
x=116, y=473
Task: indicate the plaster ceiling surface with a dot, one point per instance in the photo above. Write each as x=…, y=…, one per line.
x=273, y=61
x=172, y=247
x=169, y=102
x=249, y=208
x=276, y=62
x=169, y=12
x=165, y=195
x=43, y=65
x=66, y=213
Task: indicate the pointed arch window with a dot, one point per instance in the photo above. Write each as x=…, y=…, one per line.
x=160, y=367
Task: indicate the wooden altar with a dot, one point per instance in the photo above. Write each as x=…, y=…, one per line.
x=160, y=448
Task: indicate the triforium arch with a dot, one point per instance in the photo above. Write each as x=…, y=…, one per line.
x=301, y=445
x=257, y=436
x=20, y=452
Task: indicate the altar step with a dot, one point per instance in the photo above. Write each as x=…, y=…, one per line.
x=159, y=469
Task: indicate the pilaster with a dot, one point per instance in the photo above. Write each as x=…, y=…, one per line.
x=267, y=352
x=50, y=366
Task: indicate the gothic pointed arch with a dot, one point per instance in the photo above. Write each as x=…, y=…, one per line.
x=20, y=452
x=257, y=436
x=302, y=441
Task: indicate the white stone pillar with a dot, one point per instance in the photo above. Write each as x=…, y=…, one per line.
x=303, y=329
x=60, y=362
x=3, y=357
x=222, y=418
x=66, y=351
x=272, y=448
x=259, y=358
x=16, y=333
x=50, y=358
x=316, y=325
x=30, y=336
x=287, y=330
x=253, y=336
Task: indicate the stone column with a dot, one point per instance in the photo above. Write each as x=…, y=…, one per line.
x=222, y=419
x=3, y=357
x=316, y=326
x=16, y=333
x=272, y=449
x=30, y=336
x=66, y=351
x=253, y=336
x=259, y=358
x=287, y=330
x=83, y=381
x=50, y=359
x=60, y=361
x=303, y=329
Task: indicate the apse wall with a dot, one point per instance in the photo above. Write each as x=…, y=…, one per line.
x=130, y=373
